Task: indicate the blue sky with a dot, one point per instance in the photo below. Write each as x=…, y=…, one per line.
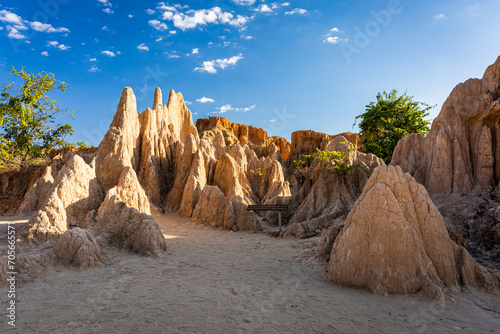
x=283, y=66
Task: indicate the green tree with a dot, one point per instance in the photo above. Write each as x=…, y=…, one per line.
x=28, y=127
x=388, y=120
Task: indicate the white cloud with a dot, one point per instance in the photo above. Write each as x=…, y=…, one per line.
x=264, y=9
x=45, y=53
x=334, y=40
x=246, y=37
x=16, y=24
x=130, y=16
x=45, y=27
x=285, y=4
x=211, y=66
x=244, y=2
x=105, y=28
x=14, y=33
x=225, y=109
x=195, y=51
x=208, y=66
x=439, y=16
x=158, y=25
x=9, y=17
x=228, y=107
x=298, y=11
x=223, y=63
x=107, y=6
x=108, y=53
x=205, y=100
x=143, y=47
x=172, y=32
x=59, y=46
x=193, y=18
x=1, y=28
x=150, y=11
x=94, y=69
x=245, y=109
x=174, y=56
x=93, y=59
x=162, y=6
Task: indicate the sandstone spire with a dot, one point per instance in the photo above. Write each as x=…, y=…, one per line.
x=395, y=242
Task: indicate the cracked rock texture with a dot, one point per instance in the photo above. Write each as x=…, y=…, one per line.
x=395, y=242
x=78, y=247
x=74, y=192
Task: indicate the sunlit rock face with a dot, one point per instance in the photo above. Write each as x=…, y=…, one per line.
x=461, y=152
x=395, y=242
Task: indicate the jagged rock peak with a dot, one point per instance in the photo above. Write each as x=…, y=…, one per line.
x=462, y=149
x=120, y=145
x=127, y=108
x=158, y=99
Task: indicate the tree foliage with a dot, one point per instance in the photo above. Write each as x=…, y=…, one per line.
x=388, y=120
x=28, y=127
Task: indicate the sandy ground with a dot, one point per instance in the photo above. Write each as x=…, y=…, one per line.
x=214, y=281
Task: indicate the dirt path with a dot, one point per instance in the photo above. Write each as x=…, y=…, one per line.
x=214, y=281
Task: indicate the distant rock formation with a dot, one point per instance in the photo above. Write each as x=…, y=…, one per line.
x=241, y=134
x=306, y=142
x=395, y=242
x=462, y=149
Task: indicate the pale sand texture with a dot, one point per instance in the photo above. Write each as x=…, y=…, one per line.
x=214, y=281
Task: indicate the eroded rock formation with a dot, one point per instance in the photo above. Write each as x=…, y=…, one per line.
x=462, y=149
x=306, y=141
x=74, y=192
x=395, y=242
x=242, y=134
x=156, y=157
x=208, y=174
x=325, y=197
x=79, y=248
